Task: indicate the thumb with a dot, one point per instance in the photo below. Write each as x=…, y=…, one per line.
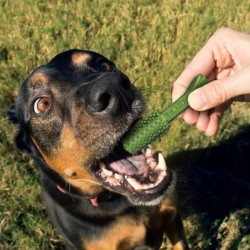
x=220, y=91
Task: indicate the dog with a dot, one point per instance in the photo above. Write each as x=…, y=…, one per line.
x=72, y=114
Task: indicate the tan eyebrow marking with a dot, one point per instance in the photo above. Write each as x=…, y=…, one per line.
x=38, y=79
x=79, y=58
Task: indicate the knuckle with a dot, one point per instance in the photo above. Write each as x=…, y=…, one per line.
x=217, y=92
x=222, y=32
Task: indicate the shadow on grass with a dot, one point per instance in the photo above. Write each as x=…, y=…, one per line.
x=214, y=184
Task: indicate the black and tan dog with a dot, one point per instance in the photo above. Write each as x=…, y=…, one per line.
x=72, y=114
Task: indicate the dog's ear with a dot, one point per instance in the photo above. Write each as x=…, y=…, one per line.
x=11, y=114
x=23, y=141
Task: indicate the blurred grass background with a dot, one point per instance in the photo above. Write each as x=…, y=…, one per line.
x=151, y=41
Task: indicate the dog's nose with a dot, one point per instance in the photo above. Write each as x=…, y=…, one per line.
x=109, y=95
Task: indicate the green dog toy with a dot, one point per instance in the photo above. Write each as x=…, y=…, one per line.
x=153, y=125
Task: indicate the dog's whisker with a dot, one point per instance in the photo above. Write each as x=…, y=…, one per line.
x=67, y=185
x=124, y=99
x=70, y=193
x=140, y=77
x=90, y=181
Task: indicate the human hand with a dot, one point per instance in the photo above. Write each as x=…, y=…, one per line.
x=225, y=60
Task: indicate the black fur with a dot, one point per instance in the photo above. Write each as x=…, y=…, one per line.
x=97, y=103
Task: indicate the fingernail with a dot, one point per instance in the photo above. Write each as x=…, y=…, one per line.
x=197, y=100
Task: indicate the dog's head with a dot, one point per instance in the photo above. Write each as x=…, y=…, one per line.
x=73, y=113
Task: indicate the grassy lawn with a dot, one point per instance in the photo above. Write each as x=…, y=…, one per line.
x=151, y=41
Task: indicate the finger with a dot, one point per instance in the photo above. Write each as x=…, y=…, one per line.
x=220, y=91
x=202, y=63
x=214, y=118
x=203, y=121
x=213, y=125
x=190, y=116
x=182, y=82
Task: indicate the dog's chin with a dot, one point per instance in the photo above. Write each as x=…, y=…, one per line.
x=143, y=179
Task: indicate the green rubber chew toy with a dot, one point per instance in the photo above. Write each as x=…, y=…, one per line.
x=153, y=125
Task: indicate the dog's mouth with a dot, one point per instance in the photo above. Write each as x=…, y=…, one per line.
x=143, y=178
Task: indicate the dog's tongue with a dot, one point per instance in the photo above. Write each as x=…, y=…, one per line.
x=132, y=165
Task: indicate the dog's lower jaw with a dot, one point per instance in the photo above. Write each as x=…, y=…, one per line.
x=155, y=201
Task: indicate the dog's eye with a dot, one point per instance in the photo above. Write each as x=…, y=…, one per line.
x=42, y=104
x=104, y=67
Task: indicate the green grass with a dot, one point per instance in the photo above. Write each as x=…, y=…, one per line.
x=151, y=41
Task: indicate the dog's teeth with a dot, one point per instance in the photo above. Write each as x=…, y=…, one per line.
x=161, y=177
x=148, y=153
x=107, y=172
x=118, y=177
x=161, y=163
x=102, y=165
x=153, y=164
x=134, y=183
x=148, y=186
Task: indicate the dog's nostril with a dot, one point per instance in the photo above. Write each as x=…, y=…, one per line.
x=104, y=100
x=125, y=84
